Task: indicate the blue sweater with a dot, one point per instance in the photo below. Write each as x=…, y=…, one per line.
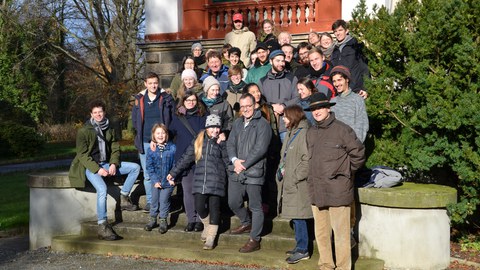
x=159, y=163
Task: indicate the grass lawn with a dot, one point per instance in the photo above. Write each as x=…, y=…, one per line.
x=14, y=201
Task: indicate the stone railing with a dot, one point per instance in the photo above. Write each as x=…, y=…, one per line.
x=205, y=19
x=291, y=16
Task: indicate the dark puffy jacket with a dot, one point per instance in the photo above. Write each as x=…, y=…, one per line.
x=210, y=170
x=250, y=143
x=350, y=55
x=167, y=106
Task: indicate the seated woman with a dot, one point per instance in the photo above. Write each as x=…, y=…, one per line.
x=189, y=82
x=216, y=104
x=267, y=33
x=326, y=45
x=188, y=62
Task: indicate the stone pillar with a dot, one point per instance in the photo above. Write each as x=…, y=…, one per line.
x=406, y=226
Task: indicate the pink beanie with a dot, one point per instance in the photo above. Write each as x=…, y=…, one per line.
x=189, y=73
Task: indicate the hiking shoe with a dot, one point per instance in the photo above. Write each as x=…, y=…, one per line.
x=106, y=232
x=297, y=256
x=290, y=252
x=146, y=209
x=163, y=227
x=126, y=203
x=150, y=225
x=190, y=227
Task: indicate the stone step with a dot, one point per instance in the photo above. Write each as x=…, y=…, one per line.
x=177, y=218
x=191, y=251
x=134, y=231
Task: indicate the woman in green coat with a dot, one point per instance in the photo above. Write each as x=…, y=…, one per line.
x=292, y=181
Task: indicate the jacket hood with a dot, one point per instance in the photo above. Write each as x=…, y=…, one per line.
x=239, y=31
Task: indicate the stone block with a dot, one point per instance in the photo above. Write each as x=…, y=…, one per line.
x=152, y=58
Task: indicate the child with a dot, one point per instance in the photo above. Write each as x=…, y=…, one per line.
x=211, y=159
x=159, y=162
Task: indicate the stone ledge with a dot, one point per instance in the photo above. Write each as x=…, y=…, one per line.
x=55, y=179
x=409, y=195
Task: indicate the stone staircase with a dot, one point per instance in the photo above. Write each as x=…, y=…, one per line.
x=179, y=245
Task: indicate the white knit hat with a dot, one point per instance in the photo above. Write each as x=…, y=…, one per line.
x=213, y=120
x=189, y=73
x=209, y=82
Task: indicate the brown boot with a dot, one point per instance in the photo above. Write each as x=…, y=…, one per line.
x=211, y=234
x=206, y=223
x=126, y=203
x=250, y=246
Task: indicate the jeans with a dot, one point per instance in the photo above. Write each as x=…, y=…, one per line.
x=146, y=178
x=301, y=235
x=236, y=193
x=160, y=202
x=129, y=168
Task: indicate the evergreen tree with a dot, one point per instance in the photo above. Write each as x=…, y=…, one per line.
x=424, y=101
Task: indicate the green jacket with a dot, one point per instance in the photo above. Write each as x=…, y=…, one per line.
x=86, y=140
x=255, y=73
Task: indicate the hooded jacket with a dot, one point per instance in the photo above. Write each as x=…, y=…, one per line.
x=335, y=154
x=350, y=54
x=243, y=39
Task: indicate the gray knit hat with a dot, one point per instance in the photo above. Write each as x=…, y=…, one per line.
x=209, y=82
x=189, y=73
x=197, y=44
x=213, y=120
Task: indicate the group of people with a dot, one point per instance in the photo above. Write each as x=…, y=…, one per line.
x=259, y=120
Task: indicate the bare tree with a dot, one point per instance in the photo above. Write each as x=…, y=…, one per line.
x=101, y=36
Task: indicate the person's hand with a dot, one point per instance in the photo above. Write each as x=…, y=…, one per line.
x=171, y=182
x=363, y=94
x=221, y=138
x=157, y=185
x=278, y=108
x=112, y=170
x=153, y=146
x=102, y=172
x=238, y=166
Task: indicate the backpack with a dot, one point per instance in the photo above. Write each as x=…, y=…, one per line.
x=384, y=177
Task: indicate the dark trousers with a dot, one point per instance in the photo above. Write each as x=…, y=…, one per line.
x=236, y=195
x=208, y=204
x=188, y=200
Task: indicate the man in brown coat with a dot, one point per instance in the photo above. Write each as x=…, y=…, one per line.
x=335, y=154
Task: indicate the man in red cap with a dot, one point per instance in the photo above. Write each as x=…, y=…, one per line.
x=241, y=38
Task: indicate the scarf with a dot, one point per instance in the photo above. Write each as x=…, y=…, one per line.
x=342, y=44
x=209, y=102
x=237, y=89
x=99, y=127
x=192, y=111
x=328, y=51
x=199, y=60
x=317, y=73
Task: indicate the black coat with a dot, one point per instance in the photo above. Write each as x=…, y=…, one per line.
x=352, y=57
x=210, y=170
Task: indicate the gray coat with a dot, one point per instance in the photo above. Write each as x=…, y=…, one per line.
x=293, y=188
x=250, y=143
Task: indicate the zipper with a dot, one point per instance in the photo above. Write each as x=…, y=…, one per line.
x=205, y=175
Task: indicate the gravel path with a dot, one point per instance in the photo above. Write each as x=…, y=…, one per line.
x=14, y=255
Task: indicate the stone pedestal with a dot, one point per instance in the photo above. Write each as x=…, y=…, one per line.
x=407, y=226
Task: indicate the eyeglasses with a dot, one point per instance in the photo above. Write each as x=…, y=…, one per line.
x=192, y=100
x=246, y=106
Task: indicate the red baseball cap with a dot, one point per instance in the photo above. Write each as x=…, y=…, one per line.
x=238, y=17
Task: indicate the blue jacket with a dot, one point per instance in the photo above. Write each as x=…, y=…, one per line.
x=159, y=163
x=167, y=106
x=222, y=78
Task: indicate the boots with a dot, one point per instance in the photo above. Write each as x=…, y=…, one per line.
x=206, y=223
x=163, y=227
x=152, y=224
x=211, y=234
x=105, y=232
x=126, y=203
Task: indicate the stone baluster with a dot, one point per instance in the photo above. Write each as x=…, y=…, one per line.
x=311, y=10
x=285, y=21
x=302, y=19
x=213, y=20
x=228, y=20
